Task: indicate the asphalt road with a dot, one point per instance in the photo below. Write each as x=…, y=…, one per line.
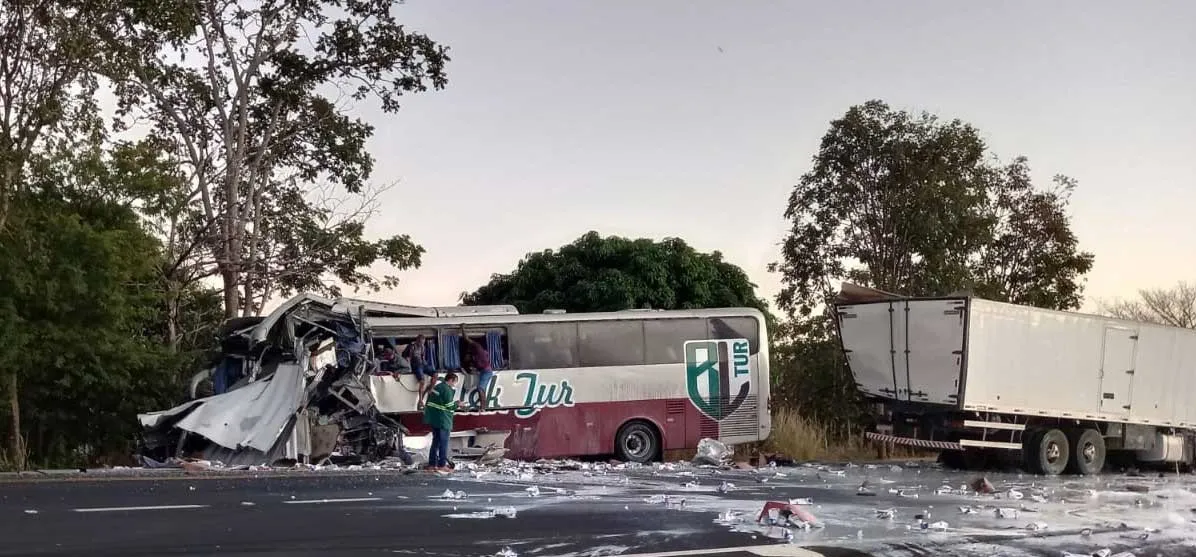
x=326, y=515
x=576, y=514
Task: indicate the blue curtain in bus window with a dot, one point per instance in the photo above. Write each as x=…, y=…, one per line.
x=225, y=374
x=494, y=347
x=430, y=351
x=452, y=352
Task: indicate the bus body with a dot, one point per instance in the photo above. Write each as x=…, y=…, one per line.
x=633, y=383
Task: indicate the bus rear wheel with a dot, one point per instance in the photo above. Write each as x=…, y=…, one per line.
x=637, y=442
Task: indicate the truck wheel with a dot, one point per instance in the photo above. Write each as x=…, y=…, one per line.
x=1087, y=452
x=637, y=442
x=1047, y=452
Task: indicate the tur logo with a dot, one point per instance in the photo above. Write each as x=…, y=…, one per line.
x=717, y=375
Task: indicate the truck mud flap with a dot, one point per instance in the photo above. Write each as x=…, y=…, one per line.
x=911, y=442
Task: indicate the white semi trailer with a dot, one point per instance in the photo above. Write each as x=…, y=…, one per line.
x=971, y=377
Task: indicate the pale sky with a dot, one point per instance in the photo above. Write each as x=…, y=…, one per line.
x=694, y=118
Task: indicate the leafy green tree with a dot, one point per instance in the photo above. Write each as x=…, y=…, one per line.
x=79, y=304
x=596, y=273
x=245, y=101
x=47, y=89
x=912, y=204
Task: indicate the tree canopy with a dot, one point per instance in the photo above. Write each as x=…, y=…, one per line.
x=913, y=204
x=80, y=312
x=253, y=102
x=596, y=273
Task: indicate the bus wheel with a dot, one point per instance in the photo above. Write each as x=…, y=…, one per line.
x=637, y=442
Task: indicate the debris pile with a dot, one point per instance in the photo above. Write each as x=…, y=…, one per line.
x=296, y=386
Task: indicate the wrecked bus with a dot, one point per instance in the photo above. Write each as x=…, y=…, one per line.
x=629, y=383
x=304, y=384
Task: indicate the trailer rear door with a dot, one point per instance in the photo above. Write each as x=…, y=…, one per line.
x=934, y=331
x=906, y=349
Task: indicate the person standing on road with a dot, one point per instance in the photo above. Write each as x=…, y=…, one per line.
x=438, y=414
x=480, y=358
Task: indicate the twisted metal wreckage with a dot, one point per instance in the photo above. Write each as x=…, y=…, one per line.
x=272, y=404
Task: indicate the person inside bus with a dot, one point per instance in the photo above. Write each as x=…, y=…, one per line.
x=386, y=362
x=425, y=373
x=438, y=414
x=479, y=358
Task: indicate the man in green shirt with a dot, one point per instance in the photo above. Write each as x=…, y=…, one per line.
x=438, y=414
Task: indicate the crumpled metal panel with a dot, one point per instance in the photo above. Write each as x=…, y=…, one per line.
x=252, y=416
x=152, y=420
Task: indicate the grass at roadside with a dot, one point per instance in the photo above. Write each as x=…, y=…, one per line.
x=804, y=439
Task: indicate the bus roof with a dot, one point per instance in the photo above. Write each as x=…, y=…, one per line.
x=399, y=322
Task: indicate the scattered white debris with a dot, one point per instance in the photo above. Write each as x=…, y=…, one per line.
x=506, y=552
x=885, y=514
x=533, y=491
x=1015, y=494
x=1006, y=512
x=1036, y=526
x=454, y=495
x=505, y=512
x=726, y=487
x=712, y=452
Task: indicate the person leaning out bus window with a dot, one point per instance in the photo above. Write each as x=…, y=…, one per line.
x=480, y=359
x=425, y=373
x=438, y=414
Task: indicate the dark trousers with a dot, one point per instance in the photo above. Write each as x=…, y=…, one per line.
x=438, y=452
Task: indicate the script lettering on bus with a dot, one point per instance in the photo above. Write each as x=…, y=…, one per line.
x=537, y=395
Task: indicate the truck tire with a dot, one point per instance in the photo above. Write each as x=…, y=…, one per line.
x=637, y=441
x=1047, y=452
x=1087, y=452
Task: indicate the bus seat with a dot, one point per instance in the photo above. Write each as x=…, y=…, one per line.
x=452, y=352
x=494, y=347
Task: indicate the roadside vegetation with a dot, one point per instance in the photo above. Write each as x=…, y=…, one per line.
x=120, y=255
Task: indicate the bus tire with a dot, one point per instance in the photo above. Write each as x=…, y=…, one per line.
x=637, y=441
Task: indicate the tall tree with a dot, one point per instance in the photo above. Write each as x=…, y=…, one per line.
x=912, y=204
x=78, y=302
x=596, y=273
x=50, y=60
x=47, y=87
x=256, y=105
x=1175, y=306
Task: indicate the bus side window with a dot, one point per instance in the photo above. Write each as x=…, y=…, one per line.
x=537, y=346
x=610, y=343
x=664, y=339
x=736, y=327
